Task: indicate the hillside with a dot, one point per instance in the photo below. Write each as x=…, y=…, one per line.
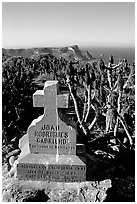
x=69, y=53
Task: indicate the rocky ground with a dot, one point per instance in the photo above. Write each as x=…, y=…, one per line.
x=114, y=190
x=38, y=191
x=107, y=181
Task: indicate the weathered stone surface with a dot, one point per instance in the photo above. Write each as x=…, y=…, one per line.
x=39, y=99
x=23, y=140
x=49, y=134
x=48, y=167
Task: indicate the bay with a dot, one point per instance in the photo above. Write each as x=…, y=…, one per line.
x=117, y=52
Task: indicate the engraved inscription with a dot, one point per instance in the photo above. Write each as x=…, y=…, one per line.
x=64, y=173
x=51, y=137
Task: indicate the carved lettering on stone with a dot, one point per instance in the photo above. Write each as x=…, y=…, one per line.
x=49, y=133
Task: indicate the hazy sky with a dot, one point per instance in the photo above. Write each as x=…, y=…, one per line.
x=60, y=24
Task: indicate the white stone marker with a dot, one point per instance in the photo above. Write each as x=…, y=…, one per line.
x=49, y=147
x=48, y=133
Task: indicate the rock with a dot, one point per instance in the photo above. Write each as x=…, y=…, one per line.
x=101, y=196
x=12, y=160
x=90, y=195
x=39, y=191
x=105, y=184
x=14, y=152
x=12, y=172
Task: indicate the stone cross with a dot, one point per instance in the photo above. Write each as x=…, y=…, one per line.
x=49, y=134
x=48, y=150
x=49, y=98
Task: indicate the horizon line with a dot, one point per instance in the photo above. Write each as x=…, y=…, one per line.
x=62, y=46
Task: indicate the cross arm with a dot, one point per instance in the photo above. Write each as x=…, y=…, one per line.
x=62, y=99
x=38, y=98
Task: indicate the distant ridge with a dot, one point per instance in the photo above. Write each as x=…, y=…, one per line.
x=89, y=55
x=70, y=53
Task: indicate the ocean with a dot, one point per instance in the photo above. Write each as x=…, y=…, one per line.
x=117, y=52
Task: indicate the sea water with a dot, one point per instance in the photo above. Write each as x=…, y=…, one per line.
x=117, y=52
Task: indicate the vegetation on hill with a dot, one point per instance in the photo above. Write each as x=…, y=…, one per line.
x=102, y=96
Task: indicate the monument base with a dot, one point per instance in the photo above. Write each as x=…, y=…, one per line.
x=50, y=167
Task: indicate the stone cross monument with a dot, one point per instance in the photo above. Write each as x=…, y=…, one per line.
x=49, y=147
